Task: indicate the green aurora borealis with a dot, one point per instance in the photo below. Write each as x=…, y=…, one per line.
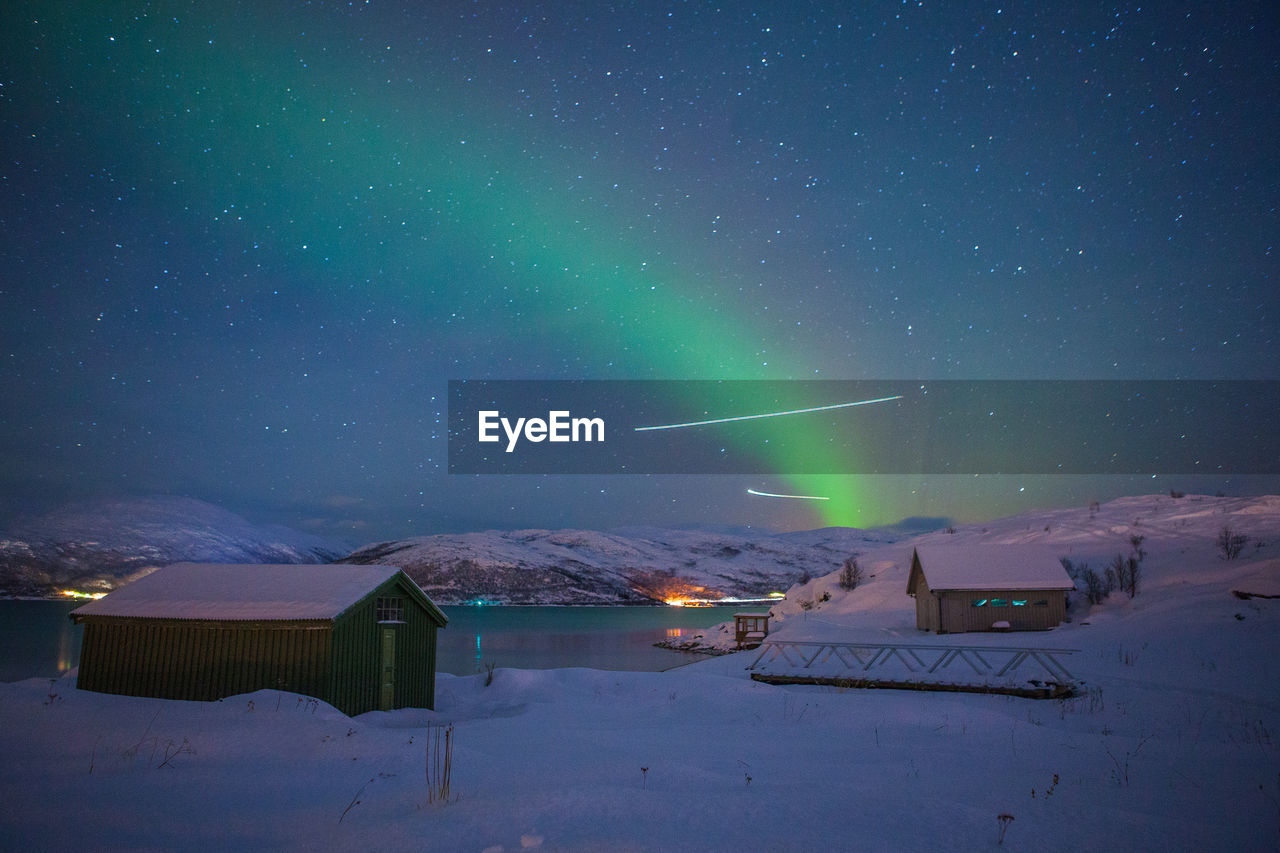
x=310, y=216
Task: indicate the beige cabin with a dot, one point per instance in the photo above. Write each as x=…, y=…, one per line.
x=961, y=588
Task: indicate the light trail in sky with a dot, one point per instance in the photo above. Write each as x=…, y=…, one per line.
x=771, y=414
x=795, y=497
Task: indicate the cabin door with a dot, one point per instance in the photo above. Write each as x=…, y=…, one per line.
x=388, y=677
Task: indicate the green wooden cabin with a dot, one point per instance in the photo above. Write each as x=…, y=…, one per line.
x=362, y=638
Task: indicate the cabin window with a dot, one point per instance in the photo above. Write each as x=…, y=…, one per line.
x=979, y=602
x=1044, y=602
x=1019, y=602
x=390, y=609
x=999, y=602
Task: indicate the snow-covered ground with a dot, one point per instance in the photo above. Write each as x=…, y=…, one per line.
x=1172, y=742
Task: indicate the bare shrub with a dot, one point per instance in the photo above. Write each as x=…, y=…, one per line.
x=850, y=574
x=1128, y=573
x=1095, y=587
x=1231, y=543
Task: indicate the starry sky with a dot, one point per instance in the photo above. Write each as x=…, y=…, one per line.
x=244, y=246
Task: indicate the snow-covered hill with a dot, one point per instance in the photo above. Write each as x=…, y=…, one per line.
x=99, y=545
x=1182, y=564
x=633, y=565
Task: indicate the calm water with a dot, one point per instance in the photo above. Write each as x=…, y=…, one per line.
x=38, y=640
x=551, y=637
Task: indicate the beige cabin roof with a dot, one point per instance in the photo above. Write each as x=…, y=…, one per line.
x=987, y=567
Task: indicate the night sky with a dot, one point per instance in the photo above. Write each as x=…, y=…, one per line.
x=244, y=246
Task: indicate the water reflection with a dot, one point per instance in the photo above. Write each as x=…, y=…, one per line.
x=37, y=640
x=65, y=649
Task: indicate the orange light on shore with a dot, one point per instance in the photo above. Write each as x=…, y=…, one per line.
x=711, y=602
x=75, y=593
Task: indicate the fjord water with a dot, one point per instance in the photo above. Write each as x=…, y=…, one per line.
x=37, y=640
x=550, y=637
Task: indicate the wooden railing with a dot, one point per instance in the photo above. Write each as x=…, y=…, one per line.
x=984, y=661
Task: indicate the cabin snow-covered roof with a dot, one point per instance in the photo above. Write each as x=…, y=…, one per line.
x=242, y=592
x=989, y=567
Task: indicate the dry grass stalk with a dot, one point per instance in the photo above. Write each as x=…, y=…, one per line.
x=439, y=763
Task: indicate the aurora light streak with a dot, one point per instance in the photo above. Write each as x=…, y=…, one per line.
x=792, y=497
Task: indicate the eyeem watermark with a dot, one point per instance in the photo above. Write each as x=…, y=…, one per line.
x=559, y=426
x=923, y=426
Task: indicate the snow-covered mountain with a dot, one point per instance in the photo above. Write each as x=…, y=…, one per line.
x=99, y=545
x=632, y=565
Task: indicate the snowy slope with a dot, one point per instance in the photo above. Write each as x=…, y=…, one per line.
x=638, y=564
x=99, y=545
x=1179, y=540
x=1173, y=742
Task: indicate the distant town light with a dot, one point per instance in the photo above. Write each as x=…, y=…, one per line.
x=710, y=602
x=75, y=593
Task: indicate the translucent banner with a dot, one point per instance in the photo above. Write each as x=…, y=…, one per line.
x=864, y=427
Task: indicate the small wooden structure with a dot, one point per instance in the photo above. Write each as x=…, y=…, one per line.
x=987, y=588
x=750, y=629
x=361, y=638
